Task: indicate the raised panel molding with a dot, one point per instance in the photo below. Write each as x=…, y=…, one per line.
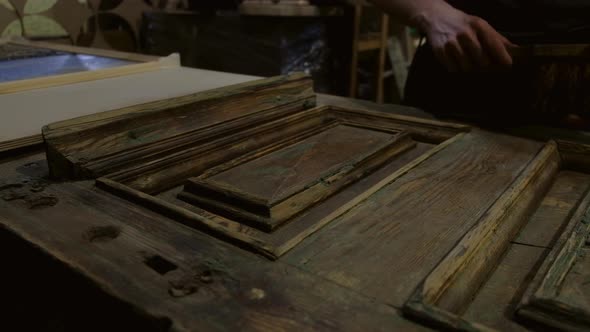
x=443, y=297
x=558, y=296
x=457, y=228
x=252, y=171
x=230, y=206
x=269, y=189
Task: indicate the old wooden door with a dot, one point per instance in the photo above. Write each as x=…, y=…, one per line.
x=248, y=208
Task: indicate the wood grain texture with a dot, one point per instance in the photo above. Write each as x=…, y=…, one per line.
x=168, y=162
x=575, y=155
x=452, y=284
x=213, y=286
x=557, y=297
x=141, y=172
x=287, y=237
x=153, y=143
x=347, y=263
x=422, y=210
x=299, y=82
x=360, y=104
x=421, y=129
x=556, y=209
x=113, y=134
x=290, y=235
x=24, y=142
x=495, y=303
x=271, y=189
x=459, y=275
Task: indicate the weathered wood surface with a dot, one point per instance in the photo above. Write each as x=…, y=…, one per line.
x=286, y=237
x=575, y=154
x=21, y=143
x=359, y=104
x=131, y=183
x=496, y=302
x=212, y=285
x=398, y=235
x=445, y=293
x=270, y=190
x=558, y=296
x=92, y=142
x=459, y=275
x=161, y=165
x=256, y=124
x=556, y=209
x=438, y=221
x=95, y=217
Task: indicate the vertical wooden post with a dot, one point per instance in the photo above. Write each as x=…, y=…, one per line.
x=358, y=11
x=382, y=51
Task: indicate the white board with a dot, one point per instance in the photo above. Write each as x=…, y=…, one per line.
x=23, y=114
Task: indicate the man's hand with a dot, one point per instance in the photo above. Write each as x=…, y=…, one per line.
x=460, y=41
x=463, y=42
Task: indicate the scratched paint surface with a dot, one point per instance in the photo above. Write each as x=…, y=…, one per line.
x=288, y=170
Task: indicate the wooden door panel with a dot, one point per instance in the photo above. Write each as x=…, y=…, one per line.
x=559, y=296
x=267, y=191
x=218, y=178
x=445, y=295
x=494, y=305
x=416, y=216
x=556, y=209
x=102, y=143
x=397, y=236
x=210, y=285
x=257, y=179
x=278, y=175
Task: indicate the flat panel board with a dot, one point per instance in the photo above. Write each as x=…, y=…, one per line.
x=285, y=172
x=556, y=209
x=24, y=113
x=273, y=188
x=210, y=285
x=558, y=297
x=240, y=216
x=495, y=303
x=396, y=237
x=355, y=257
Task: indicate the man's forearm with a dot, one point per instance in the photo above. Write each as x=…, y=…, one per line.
x=415, y=13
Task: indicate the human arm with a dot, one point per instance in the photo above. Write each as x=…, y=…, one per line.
x=459, y=41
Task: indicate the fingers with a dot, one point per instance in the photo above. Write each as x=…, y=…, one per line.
x=445, y=59
x=507, y=42
x=494, y=44
x=464, y=54
x=455, y=51
x=471, y=44
x=473, y=50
